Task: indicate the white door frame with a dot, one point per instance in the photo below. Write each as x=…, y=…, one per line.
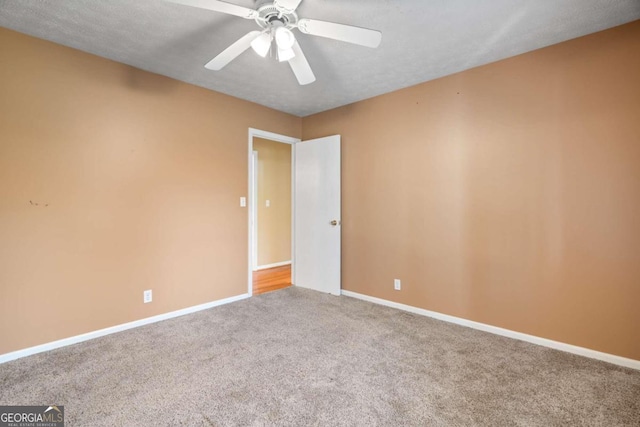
x=253, y=209
x=251, y=199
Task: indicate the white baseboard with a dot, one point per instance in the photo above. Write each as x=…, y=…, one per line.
x=277, y=264
x=593, y=354
x=113, y=329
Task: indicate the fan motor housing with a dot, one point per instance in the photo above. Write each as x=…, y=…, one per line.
x=269, y=16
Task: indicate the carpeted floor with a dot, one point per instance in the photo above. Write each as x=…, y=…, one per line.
x=296, y=357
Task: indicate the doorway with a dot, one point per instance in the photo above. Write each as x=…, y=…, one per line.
x=270, y=211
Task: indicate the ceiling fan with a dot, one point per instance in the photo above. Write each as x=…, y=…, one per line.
x=276, y=20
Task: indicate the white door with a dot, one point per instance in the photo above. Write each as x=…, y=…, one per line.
x=317, y=214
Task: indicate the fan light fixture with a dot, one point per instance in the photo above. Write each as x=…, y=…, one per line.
x=262, y=44
x=285, y=40
x=285, y=54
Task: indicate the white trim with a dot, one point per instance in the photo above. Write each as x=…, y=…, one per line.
x=278, y=138
x=293, y=213
x=581, y=351
x=272, y=136
x=113, y=329
x=253, y=208
x=274, y=265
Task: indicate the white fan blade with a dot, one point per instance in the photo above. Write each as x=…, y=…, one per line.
x=301, y=67
x=287, y=5
x=220, y=6
x=345, y=33
x=232, y=52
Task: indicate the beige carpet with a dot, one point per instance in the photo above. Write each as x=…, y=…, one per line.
x=298, y=358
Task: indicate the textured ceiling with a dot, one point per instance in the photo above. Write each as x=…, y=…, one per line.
x=422, y=40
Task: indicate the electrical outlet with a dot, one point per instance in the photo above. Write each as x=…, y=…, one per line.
x=147, y=296
x=397, y=285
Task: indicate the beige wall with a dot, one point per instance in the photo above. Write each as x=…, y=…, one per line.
x=508, y=194
x=274, y=185
x=113, y=181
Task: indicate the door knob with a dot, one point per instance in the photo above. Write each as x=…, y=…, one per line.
x=335, y=222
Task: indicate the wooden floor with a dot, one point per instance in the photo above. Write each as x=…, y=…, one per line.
x=271, y=279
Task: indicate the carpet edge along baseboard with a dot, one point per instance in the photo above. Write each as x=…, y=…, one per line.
x=556, y=345
x=114, y=329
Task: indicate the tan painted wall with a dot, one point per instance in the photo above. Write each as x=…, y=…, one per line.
x=274, y=184
x=508, y=194
x=113, y=181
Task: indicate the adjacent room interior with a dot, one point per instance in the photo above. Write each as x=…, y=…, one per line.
x=489, y=261
x=271, y=215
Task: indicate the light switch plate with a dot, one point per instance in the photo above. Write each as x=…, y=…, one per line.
x=243, y=202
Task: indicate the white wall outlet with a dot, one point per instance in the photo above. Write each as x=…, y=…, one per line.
x=243, y=202
x=397, y=285
x=147, y=296
x=268, y=203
